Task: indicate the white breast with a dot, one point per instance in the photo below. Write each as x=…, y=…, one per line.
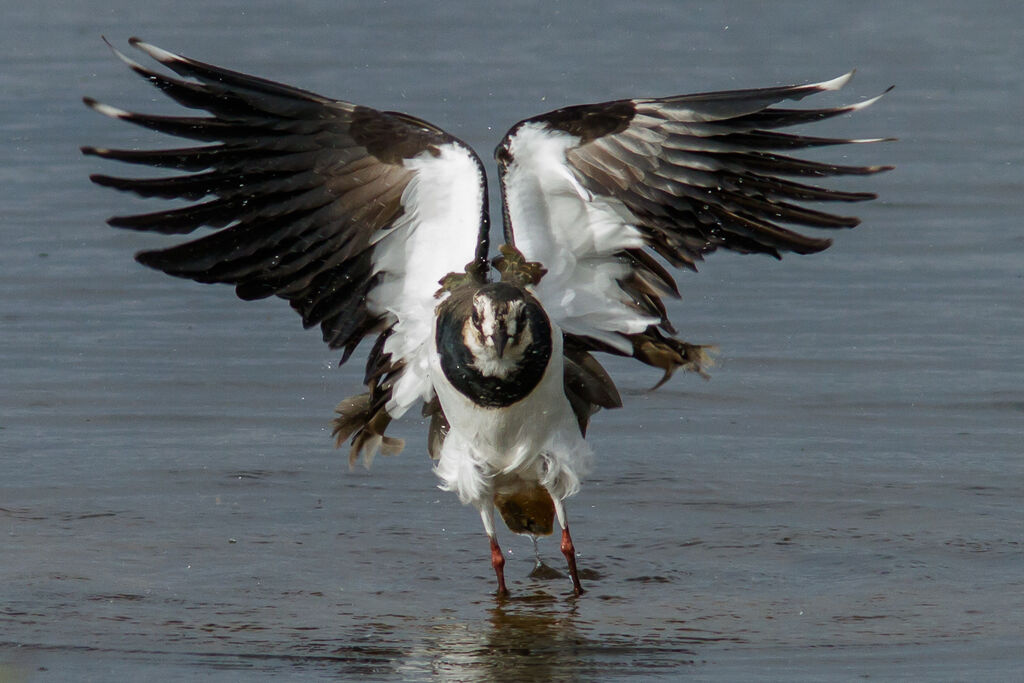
x=536, y=438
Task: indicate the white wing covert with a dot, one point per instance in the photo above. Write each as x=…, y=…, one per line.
x=592, y=190
x=351, y=214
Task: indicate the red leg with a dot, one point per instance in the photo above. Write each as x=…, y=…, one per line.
x=498, y=562
x=569, y=550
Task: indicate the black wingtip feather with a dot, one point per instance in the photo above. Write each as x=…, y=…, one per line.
x=148, y=258
x=122, y=184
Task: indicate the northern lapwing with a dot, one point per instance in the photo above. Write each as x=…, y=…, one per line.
x=375, y=224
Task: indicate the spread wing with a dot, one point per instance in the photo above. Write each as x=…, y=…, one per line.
x=351, y=214
x=594, y=191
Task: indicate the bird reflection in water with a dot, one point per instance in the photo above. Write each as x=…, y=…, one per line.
x=532, y=637
x=538, y=637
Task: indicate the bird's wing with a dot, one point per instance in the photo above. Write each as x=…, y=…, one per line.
x=351, y=214
x=594, y=191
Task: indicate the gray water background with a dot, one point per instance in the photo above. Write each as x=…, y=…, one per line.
x=843, y=499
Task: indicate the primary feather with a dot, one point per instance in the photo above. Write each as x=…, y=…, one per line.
x=351, y=214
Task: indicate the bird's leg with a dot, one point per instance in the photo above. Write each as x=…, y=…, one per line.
x=568, y=549
x=497, y=557
x=498, y=562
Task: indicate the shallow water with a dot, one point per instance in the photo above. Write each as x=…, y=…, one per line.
x=842, y=499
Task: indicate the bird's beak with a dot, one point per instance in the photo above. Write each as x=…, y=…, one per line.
x=500, y=338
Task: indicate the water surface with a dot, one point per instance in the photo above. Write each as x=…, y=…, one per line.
x=841, y=500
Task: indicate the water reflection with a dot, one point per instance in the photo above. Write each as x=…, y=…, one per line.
x=527, y=637
x=533, y=638
x=536, y=637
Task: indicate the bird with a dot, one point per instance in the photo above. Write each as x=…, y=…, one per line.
x=374, y=224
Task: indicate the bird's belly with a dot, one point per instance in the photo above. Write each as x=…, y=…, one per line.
x=536, y=438
x=502, y=435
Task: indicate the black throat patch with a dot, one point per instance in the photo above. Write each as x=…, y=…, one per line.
x=457, y=359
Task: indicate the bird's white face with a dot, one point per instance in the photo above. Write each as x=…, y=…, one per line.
x=497, y=335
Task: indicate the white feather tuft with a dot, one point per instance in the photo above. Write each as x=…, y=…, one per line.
x=106, y=109
x=159, y=54
x=836, y=83
x=574, y=233
x=436, y=235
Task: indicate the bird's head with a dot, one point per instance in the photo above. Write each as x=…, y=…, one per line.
x=500, y=329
